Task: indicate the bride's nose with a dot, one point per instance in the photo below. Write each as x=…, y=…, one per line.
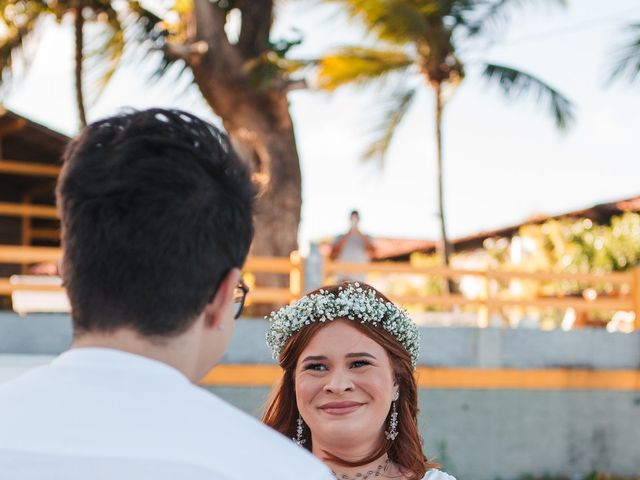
x=338, y=381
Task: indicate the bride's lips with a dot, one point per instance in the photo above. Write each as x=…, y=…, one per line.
x=340, y=408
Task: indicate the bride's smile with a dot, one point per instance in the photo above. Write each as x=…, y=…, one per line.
x=340, y=408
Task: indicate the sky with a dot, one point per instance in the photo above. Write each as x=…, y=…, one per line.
x=504, y=160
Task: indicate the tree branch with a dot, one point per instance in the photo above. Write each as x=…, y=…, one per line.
x=300, y=84
x=223, y=60
x=257, y=17
x=189, y=52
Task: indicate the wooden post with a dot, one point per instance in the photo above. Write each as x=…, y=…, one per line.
x=483, y=310
x=26, y=229
x=635, y=290
x=489, y=304
x=323, y=269
x=296, y=275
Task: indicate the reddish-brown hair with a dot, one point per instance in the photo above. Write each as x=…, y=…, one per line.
x=406, y=450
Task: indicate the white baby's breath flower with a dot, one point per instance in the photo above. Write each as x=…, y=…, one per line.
x=352, y=302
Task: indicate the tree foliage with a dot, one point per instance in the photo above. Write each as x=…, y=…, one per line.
x=429, y=39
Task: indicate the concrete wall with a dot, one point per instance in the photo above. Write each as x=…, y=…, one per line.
x=476, y=434
x=441, y=346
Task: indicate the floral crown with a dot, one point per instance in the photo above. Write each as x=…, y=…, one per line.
x=353, y=302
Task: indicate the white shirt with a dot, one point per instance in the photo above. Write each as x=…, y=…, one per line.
x=354, y=249
x=106, y=414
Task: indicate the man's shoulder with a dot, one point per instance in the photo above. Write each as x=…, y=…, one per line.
x=234, y=427
x=30, y=379
x=338, y=239
x=228, y=436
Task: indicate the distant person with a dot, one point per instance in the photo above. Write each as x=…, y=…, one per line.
x=348, y=393
x=353, y=247
x=156, y=216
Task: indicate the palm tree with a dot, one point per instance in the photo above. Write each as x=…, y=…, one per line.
x=245, y=80
x=78, y=32
x=425, y=38
x=627, y=62
x=23, y=19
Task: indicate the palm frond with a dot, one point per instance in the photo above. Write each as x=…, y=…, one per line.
x=457, y=13
x=627, y=62
x=497, y=13
x=515, y=83
x=389, y=122
x=19, y=27
x=394, y=21
x=274, y=65
x=104, y=57
x=358, y=65
x=146, y=37
x=10, y=48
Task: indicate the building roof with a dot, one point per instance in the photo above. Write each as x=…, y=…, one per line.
x=385, y=248
x=400, y=249
x=26, y=140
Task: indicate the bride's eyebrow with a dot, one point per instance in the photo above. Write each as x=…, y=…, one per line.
x=314, y=358
x=360, y=354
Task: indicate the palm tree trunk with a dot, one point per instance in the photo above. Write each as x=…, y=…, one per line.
x=444, y=246
x=79, y=46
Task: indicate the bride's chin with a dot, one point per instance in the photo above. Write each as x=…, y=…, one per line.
x=341, y=434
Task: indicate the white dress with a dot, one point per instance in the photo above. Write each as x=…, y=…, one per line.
x=434, y=474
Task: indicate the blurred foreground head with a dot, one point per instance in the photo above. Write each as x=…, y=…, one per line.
x=155, y=210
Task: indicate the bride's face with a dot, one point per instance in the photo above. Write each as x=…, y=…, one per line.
x=344, y=386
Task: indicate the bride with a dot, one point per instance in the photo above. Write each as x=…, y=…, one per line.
x=348, y=393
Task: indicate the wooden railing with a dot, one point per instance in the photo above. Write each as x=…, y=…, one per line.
x=490, y=301
x=15, y=167
x=27, y=210
x=292, y=267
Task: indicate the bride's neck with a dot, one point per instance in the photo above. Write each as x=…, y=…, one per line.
x=349, y=453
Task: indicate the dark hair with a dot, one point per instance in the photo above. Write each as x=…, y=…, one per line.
x=282, y=411
x=155, y=209
x=354, y=212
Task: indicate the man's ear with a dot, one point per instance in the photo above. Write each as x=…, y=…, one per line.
x=215, y=310
x=60, y=268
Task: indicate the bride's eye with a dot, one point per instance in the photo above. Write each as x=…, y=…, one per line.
x=360, y=363
x=318, y=367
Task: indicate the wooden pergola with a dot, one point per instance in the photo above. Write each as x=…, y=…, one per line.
x=29, y=165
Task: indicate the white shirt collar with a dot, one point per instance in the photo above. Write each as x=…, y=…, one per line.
x=117, y=360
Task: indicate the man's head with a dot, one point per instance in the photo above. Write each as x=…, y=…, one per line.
x=355, y=218
x=156, y=210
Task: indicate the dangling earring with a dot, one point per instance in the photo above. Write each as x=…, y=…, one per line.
x=299, y=431
x=393, y=420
